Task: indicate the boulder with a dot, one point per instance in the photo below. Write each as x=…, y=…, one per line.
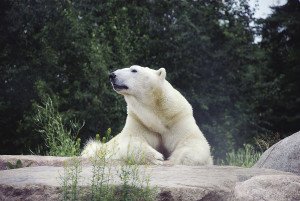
x=269, y=188
x=284, y=155
x=205, y=183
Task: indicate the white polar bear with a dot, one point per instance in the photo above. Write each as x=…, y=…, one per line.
x=159, y=122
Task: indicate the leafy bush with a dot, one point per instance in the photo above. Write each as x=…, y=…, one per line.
x=60, y=140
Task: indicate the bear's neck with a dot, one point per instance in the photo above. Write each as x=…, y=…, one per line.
x=161, y=108
x=154, y=99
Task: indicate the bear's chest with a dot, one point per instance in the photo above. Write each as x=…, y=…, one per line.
x=150, y=118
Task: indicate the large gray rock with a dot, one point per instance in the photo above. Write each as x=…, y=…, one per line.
x=284, y=155
x=269, y=188
x=173, y=182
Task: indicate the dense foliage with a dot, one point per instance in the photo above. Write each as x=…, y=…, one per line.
x=64, y=49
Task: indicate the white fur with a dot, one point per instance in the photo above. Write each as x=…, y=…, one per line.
x=91, y=148
x=158, y=116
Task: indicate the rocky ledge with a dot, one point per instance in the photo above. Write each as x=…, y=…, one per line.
x=173, y=182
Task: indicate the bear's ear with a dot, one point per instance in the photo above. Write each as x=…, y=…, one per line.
x=162, y=73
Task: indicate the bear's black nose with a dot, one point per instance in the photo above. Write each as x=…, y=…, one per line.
x=112, y=76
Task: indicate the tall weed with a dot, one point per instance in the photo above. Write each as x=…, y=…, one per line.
x=60, y=140
x=70, y=180
x=134, y=182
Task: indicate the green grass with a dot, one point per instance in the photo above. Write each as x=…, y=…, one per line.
x=243, y=157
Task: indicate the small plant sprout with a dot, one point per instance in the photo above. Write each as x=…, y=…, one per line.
x=70, y=180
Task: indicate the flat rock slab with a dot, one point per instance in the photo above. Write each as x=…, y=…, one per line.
x=173, y=182
x=31, y=161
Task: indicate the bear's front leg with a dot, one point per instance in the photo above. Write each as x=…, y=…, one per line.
x=191, y=152
x=136, y=150
x=191, y=147
x=136, y=142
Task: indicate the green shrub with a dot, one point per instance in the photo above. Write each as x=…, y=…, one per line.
x=59, y=140
x=243, y=157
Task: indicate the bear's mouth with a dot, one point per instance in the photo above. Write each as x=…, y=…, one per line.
x=119, y=87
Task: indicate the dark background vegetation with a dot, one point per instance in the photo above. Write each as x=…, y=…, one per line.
x=64, y=49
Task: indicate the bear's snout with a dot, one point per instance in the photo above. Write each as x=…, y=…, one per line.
x=112, y=76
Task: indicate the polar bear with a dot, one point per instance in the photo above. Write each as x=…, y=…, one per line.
x=159, y=125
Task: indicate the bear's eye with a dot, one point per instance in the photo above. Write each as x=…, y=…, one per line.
x=133, y=71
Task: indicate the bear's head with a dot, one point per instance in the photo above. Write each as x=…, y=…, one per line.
x=137, y=80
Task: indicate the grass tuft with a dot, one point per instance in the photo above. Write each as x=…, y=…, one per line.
x=243, y=157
